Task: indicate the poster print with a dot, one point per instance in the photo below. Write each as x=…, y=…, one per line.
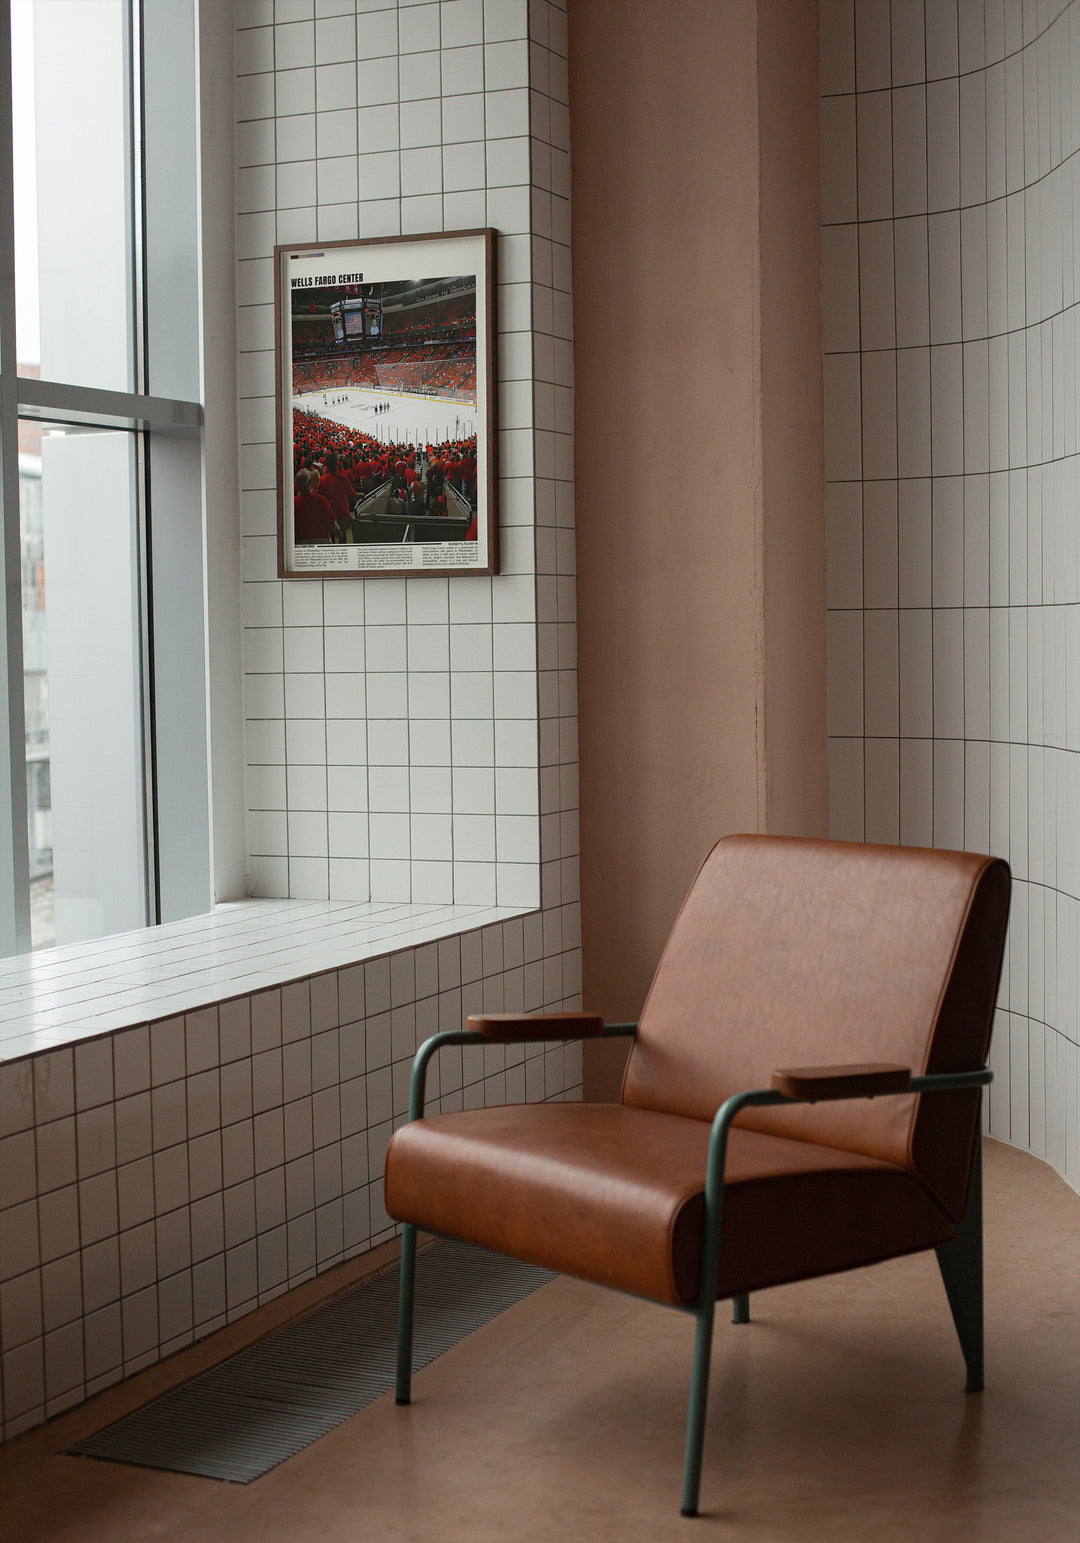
x=386, y=404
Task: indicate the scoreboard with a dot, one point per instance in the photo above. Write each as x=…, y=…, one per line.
x=359, y=318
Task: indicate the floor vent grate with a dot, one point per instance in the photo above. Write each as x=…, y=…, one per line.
x=266, y=1403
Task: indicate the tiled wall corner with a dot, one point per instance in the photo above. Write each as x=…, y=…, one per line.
x=160, y=1182
x=950, y=285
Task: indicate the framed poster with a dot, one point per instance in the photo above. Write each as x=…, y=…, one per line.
x=386, y=406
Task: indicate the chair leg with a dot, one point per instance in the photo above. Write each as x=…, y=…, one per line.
x=695, y=1425
x=961, y=1265
x=740, y=1308
x=406, y=1293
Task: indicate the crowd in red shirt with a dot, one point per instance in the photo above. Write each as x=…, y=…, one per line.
x=312, y=338
x=334, y=467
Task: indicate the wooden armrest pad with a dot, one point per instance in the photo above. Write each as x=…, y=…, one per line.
x=512, y=1027
x=809, y=1083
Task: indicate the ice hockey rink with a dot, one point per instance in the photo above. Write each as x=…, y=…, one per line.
x=409, y=420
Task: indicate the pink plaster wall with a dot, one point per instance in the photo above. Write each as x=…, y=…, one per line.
x=700, y=524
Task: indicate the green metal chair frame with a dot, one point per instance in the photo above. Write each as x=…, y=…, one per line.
x=960, y=1260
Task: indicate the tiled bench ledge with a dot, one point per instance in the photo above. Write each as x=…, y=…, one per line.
x=60, y=996
x=194, y=1119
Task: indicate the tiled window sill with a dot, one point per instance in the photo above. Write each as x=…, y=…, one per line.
x=60, y=996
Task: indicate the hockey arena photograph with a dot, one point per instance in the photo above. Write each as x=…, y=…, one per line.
x=385, y=407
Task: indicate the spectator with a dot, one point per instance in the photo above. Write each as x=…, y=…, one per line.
x=313, y=518
x=336, y=489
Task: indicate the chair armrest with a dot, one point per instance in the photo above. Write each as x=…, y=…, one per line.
x=537, y=1026
x=807, y=1084
x=515, y=1028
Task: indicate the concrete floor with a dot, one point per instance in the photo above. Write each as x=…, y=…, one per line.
x=839, y=1414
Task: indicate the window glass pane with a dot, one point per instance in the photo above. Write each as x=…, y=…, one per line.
x=82, y=683
x=72, y=190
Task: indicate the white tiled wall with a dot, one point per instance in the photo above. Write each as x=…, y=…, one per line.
x=414, y=739
x=950, y=281
x=161, y=1181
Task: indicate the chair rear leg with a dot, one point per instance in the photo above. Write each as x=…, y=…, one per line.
x=406, y=1294
x=961, y=1266
x=740, y=1308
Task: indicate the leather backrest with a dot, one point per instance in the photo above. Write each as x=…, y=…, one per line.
x=795, y=952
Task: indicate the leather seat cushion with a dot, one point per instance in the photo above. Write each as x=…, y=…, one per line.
x=616, y=1195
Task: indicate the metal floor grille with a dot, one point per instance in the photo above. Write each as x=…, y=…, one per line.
x=266, y=1403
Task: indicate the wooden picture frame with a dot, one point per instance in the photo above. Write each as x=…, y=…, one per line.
x=386, y=392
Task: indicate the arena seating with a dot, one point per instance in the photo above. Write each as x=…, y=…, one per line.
x=433, y=368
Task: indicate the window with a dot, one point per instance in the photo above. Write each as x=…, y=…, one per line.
x=104, y=818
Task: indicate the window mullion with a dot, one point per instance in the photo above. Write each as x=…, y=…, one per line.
x=175, y=528
x=99, y=407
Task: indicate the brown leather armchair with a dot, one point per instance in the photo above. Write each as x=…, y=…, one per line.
x=875, y=970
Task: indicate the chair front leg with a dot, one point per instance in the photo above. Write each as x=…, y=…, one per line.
x=417, y=1087
x=407, y=1278
x=705, y=1310
x=699, y=1393
x=961, y=1266
x=960, y=1261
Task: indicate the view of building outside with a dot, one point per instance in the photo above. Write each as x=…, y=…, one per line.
x=82, y=687
x=36, y=687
